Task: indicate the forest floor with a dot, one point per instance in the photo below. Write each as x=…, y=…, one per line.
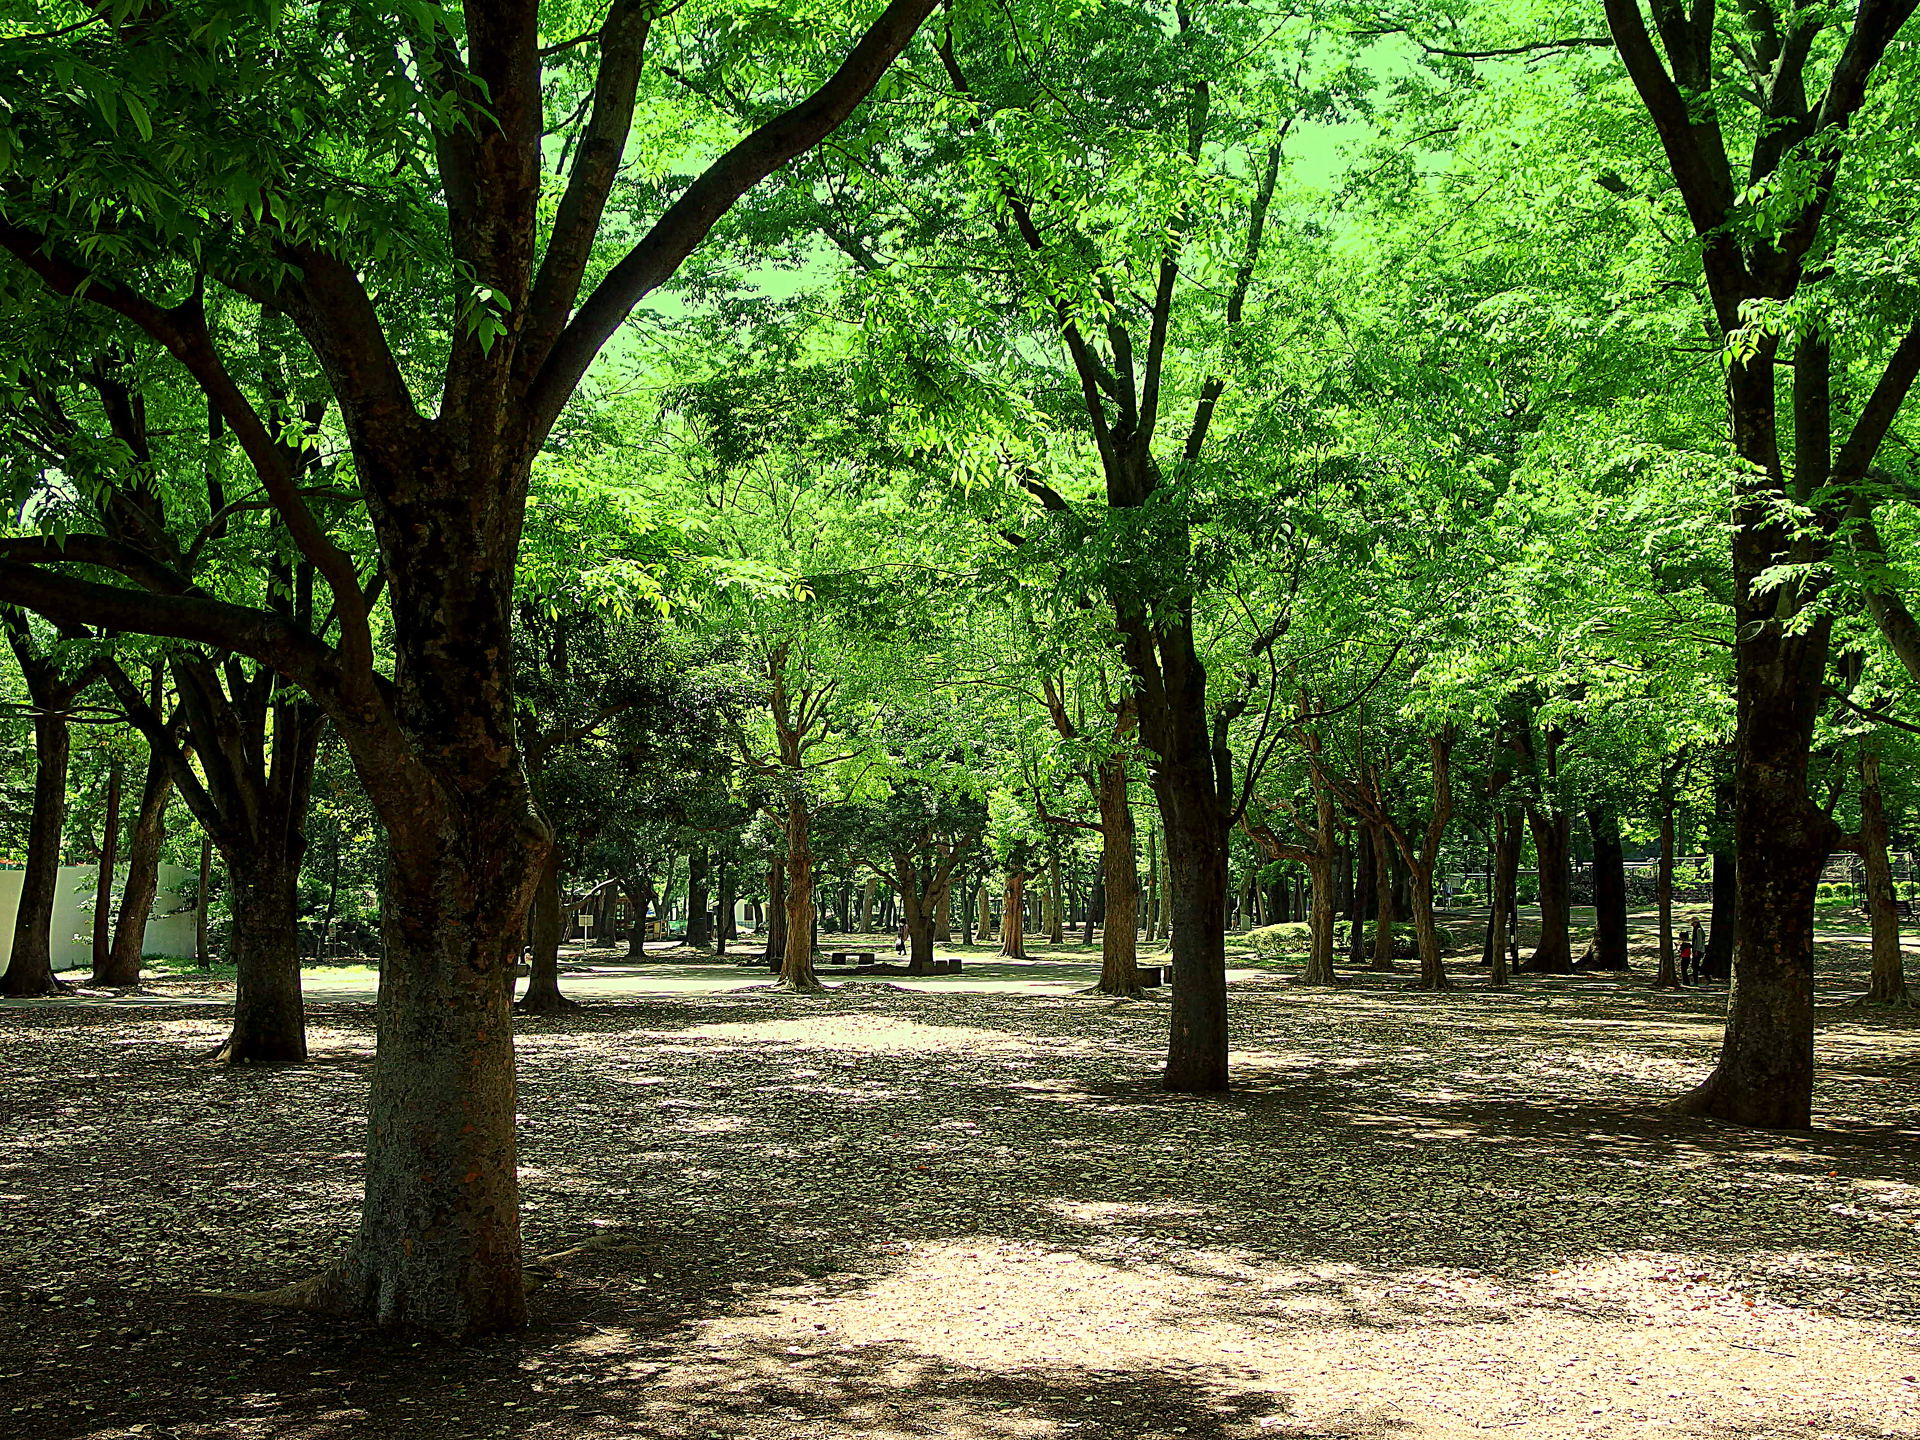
x=890, y=1212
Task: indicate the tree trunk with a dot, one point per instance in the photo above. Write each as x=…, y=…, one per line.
x=439, y=1238
x=1196, y=884
x=725, y=930
x=143, y=875
x=1433, y=965
x=1383, y=914
x=1501, y=886
x=1320, y=869
x=1764, y=1076
x=103, y=886
x=1669, y=972
x=1056, y=922
x=1361, y=901
x=202, y=952
x=1888, y=985
x=1553, y=843
x=1013, y=917
x=1609, y=892
x=1151, y=919
x=1119, y=884
x=984, y=903
x=30, y=964
x=543, y=995
x=638, y=901
x=943, y=916
x=776, y=916
x=918, y=915
x=1717, y=963
x=796, y=963
x=699, y=927
x=269, y=1014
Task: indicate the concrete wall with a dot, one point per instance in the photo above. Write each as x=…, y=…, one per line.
x=170, y=930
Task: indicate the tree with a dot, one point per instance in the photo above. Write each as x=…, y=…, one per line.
x=444, y=120
x=55, y=677
x=1767, y=270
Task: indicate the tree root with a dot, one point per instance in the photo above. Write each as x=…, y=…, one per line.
x=546, y=1003
x=1903, y=1001
x=305, y=1295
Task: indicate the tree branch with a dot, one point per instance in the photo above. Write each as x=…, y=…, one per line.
x=700, y=206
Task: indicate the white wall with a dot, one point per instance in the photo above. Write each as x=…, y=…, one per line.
x=170, y=930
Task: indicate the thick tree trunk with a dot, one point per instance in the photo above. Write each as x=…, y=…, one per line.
x=1764, y=1076
x=30, y=963
x=143, y=874
x=1609, y=893
x=1433, y=965
x=1553, y=843
x=984, y=904
x=439, y=1238
x=1119, y=884
x=943, y=916
x=1196, y=855
x=269, y=1014
x=1013, y=916
x=699, y=925
x=1383, y=913
x=103, y=886
x=918, y=914
x=1888, y=984
x=796, y=962
x=543, y=995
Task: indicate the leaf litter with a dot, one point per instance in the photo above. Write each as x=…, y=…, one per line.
x=894, y=1213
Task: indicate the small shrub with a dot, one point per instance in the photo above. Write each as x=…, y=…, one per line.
x=1292, y=937
x=1273, y=942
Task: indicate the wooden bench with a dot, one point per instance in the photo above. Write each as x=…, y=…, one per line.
x=1151, y=975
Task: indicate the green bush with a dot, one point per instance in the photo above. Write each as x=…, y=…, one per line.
x=1295, y=938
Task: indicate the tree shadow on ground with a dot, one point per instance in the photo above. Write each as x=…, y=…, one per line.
x=904, y=1214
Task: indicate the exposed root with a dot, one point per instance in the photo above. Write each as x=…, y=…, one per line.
x=546, y=1002
x=222, y=1054
x=1137, y=992
x=542, y=1268
x=1903, y=1001
x=308, y=1295
x=598, y=1242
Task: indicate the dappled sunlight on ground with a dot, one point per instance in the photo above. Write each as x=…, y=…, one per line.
x=890, y=1212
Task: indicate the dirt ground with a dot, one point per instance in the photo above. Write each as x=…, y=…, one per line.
x=891, y=1214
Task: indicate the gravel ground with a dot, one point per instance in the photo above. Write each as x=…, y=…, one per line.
x=902, y=1214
